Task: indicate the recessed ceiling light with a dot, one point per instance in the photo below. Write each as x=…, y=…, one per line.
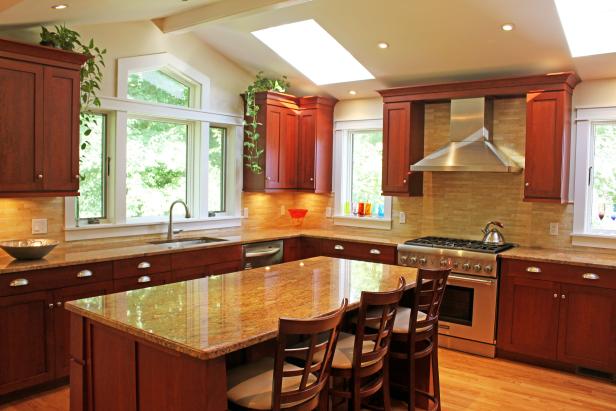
x=507, y=27
x=589, y=28
x=306, y=45
x=383, y=45
x=59, y=6
x=352, y=92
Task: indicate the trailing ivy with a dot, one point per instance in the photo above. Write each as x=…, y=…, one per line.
x=253, y=152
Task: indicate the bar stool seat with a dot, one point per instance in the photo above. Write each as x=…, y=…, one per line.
x=403, y=319
x=343, y=356
x=250, y=385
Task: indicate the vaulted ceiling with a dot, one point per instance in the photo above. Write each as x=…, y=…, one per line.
x=430, y=41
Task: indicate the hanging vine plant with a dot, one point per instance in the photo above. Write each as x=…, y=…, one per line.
x=91, y=72
x=252, y=152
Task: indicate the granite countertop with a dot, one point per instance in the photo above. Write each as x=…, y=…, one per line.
x=212, y=316
x=82, y=252
x=587, y=258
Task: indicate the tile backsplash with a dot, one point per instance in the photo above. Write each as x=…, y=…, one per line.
x=16, y=216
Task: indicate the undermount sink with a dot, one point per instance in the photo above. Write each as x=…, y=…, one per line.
x=189, y=241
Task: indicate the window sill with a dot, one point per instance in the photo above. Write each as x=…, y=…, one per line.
x=364, y=222
x=594, y=240
x=94, y=231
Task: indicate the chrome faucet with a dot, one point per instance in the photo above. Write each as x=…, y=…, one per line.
x=170, y=231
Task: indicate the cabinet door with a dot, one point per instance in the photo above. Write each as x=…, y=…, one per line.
x=547, y=146
x=281, y=148
x=26, y=340
x=528, y=317
x=587, y=328
x=310, y=247
x=306, y=144
x=61, y=160
x=21, y=126
x=402, y=146
x=62, y=319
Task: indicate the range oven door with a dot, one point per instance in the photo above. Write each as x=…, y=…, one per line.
x=469, y=308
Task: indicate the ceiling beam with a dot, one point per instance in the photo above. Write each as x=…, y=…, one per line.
x=217, y=11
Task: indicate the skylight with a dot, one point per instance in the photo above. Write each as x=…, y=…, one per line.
x=588, y=25
x=313, y=51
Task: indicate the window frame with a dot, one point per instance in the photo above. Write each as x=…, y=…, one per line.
x=583, y=234
x=343, y=152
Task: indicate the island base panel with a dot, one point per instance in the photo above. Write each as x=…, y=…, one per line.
x=111, y=370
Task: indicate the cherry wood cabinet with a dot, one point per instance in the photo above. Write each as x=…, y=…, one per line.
x=560, y=313
x=548, y=135
x=403, y=145
x=292, y=249
x=297, y=142
x=39, y=120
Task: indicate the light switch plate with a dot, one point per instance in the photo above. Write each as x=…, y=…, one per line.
x=553, y=228
x=328, y=212
x=39, y=226
x=245, y=213
x=402, y=217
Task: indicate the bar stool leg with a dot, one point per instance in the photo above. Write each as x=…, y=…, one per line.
x=435, y=375
x=386, y=390
x=411, y=384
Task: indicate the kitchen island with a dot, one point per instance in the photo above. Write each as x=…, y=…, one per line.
x=166, y=347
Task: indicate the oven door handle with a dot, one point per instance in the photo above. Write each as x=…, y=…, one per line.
x=471, y=280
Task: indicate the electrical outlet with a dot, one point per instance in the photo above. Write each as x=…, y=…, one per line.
x=282, y=210
x=553, y=228
x=402, y=217
x=245, y=214
x=328, y=212
x=39, y=226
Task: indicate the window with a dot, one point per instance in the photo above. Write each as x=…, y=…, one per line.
x=156, y=166
x=602, y=190
x=156, y=86
x=358, y=156
x=216, y=170
x=93, y=171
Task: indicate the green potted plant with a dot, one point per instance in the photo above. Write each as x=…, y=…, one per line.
x=253, y=152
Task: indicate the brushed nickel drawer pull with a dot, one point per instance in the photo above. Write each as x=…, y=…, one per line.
x=19, y=282
x=533, y=269
x=143, y=265
x=144, y=279
x=590, y=276
x=375, y=251
x=84, y=274
x=339, y=247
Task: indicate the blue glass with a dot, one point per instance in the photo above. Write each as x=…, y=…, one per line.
x=381, y=211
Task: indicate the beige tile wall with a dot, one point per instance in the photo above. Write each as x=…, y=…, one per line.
x=16, y=217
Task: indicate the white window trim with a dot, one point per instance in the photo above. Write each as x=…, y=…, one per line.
x=582, y=235
x=120, y=108
x=343, y=131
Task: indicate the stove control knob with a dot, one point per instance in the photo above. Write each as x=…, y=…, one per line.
x=477, y=267
x=466, y=266
x=487, y=268
x=422, y=261
x=403, y=259
x=456, y=265
x=413, y=260
x=444, y=262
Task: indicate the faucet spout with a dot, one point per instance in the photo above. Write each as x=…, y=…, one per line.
x=170, y=227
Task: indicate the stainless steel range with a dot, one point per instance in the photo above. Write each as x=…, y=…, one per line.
x=468, y=313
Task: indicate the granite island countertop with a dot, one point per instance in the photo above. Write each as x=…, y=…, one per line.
x=213, y=316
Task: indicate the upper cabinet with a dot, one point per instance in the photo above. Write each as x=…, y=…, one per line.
x=548, y=136
x=296, y=135
x=39, y=120
x=403, y=145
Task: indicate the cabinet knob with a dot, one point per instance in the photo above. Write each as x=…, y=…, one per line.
x=143, y=265
x=526, y=184
x=311, y=179
x=563, y=296
x=19, y=282
x=144, y=279
x=404, y=181
x=268, y=178
x=51, y=306
x=76, y=176
x=555, y=295
x=39, y=176
x=59, y=304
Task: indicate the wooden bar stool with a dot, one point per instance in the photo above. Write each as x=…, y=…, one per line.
x=416, y=332
x=361, y=360
x=275, y=383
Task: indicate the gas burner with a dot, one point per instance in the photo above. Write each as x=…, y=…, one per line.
x=459, y=244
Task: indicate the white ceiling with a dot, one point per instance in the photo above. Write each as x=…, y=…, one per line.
x=430, y=41
x=35, y=12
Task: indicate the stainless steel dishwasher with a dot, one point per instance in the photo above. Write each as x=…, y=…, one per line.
x=262, y=254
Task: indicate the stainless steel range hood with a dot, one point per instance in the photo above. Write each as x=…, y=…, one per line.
x=470, y=146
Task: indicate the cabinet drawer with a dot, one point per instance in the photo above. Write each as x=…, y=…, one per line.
x=135, y=267
x=37, y=280
x=141, y=281
x=360, y=251
x=205, y=257
x=564, y=273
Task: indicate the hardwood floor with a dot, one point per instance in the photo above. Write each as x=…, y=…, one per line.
x=468, y=383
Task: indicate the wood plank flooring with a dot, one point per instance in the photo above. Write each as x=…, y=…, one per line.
x=468, y=383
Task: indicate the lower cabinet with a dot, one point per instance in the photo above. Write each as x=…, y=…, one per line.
x=561, y=322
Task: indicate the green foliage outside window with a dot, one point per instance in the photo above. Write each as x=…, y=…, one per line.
x=158, y=87
x=91, y=202
x=604, y=176
x=366, y=178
